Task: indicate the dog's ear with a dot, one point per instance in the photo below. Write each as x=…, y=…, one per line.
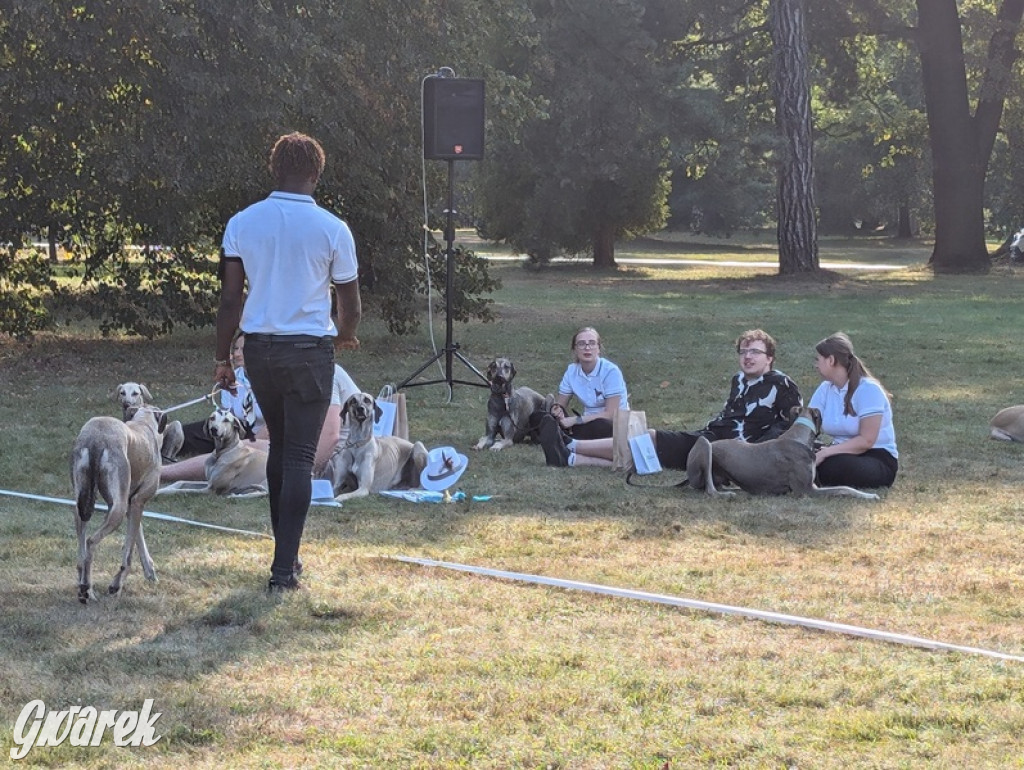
x=492, y=369
x=349, y=402
x=794, y=412
x=816, y=417
x=512, y=368
x=145, y=392
x=377, y=412
x=206, y=427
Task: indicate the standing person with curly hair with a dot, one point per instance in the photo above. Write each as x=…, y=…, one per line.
x=856, y=413
x=279, y=259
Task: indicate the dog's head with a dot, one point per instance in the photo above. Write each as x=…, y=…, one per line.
x=360, y=407
x=223, y=427
x=808, y=412
x=500, y=374
x=156, y=418
x=129, y=395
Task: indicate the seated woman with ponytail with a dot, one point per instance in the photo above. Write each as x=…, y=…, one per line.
x=856, y=413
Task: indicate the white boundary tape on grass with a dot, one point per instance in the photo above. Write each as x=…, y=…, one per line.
x=150, y=514
x=725, y=609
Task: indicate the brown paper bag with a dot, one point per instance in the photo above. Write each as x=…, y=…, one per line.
x=401, y=417
x=626, y=423
x=401, y=429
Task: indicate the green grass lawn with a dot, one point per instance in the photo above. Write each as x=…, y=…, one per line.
x=386, y=664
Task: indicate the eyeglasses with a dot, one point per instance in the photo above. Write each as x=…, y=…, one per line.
x=587, y=343
x=752, y=352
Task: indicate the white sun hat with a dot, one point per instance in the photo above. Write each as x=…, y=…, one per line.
x=444, y=467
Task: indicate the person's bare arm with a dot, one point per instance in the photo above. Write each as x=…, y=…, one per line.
x=232, y=287
x=329, y=435
x=865, y=439
x=350, y=312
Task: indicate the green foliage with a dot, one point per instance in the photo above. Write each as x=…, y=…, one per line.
x=24, y=279
x=156, y=124
x=590, y=160
x=871, y=153
x=147, y=294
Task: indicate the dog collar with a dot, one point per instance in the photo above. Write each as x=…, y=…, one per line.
x=806, y=422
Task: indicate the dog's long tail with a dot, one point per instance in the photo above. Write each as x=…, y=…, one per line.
x=84, y=472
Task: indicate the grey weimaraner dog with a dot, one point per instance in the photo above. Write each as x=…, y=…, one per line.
x=776, y=467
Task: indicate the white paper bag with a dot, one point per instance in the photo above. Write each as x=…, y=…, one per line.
x=645, y=456
x=385, y=424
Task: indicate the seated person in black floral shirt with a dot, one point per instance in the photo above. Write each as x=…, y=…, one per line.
x=757, y=410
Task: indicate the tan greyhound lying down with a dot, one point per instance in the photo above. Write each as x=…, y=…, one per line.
x=1008, y=424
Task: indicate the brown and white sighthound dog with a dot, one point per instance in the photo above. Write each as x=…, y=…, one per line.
x=363, y=463
x=776, y=467
x=121, y=461
x=134, y=395
x=509, y=408
x=235, y=468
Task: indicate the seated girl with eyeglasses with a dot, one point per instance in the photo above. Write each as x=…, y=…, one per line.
x=757, y=409
x=597, y=384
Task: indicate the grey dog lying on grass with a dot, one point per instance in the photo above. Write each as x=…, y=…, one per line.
x=776, y=467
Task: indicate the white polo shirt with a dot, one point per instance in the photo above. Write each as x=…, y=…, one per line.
x=292, y=250
x=344, y=387
x=593, y=389
x=868, y=399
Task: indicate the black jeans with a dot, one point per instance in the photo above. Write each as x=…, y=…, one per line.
x=291, y=378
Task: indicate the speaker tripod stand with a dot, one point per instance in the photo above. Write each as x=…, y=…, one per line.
x=450, y=351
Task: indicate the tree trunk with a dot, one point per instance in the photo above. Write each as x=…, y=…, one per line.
x=797, y=227
x=904, y=226
x=51, y=243
x=604, y=247
x=958, y=170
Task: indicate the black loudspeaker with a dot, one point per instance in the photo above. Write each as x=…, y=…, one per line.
x=453, y=118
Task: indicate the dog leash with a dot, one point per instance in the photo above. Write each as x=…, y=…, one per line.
x=684, y=483
x=208, y=397
x=723, y=609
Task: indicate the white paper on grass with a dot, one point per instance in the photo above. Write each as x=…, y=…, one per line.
x=645, y=457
